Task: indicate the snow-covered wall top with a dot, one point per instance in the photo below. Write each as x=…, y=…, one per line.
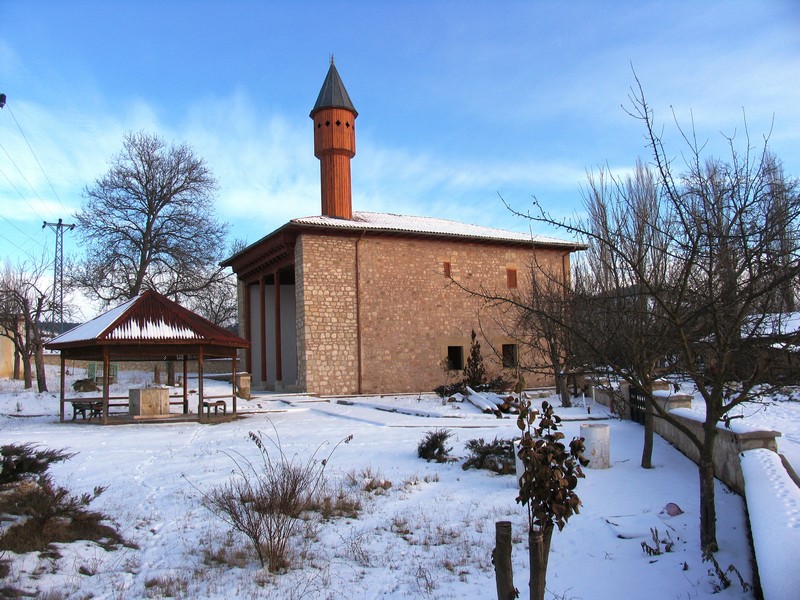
x=773, y=504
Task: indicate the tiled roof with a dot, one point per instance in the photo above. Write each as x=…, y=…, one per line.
x=387, y=222
x=149, y=317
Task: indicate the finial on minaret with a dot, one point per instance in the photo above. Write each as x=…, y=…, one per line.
x=331, y=58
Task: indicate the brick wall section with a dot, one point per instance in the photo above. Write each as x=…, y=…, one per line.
x=327, y=328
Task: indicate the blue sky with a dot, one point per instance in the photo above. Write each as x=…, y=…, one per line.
x=459, y=101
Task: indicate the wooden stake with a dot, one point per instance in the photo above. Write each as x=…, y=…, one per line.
x=503, y=570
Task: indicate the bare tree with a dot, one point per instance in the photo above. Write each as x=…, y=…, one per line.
x=149, y=223
x=690, y=269
x=541, y=325
x=217, y=301
x=23, y=302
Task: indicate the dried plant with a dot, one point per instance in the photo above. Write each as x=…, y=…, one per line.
x=266, y=501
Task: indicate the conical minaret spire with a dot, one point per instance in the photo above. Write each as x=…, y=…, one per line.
x=335, y=144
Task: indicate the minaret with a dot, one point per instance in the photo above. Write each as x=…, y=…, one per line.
x=335, y=144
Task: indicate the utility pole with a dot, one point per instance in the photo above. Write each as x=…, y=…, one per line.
x=58, y=272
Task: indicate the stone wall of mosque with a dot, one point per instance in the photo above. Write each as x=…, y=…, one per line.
x=390, y=324
x=327, y=320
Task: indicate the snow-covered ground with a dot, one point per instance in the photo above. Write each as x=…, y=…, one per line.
x=429, y=535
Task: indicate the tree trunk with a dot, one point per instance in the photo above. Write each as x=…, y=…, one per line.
x=563, y=391
x=647, y=447
x=41, y=376
x=539, y=552
x=708, y=510
x=27, y=375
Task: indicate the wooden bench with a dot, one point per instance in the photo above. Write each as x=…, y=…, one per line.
x=216, y=405
x=94, y=408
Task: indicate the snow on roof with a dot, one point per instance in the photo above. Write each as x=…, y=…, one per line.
x=147, y=317
x=427, y=225
x=94, y=329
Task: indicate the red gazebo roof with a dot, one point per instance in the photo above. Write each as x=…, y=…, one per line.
x=147, y=326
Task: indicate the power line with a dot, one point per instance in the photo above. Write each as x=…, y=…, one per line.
x=20, y=248
x=36, y=158
x=35, y=193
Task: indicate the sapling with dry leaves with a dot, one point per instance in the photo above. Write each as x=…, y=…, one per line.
x=547, y=485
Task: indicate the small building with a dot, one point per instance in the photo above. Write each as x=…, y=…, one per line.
x=352, y=302
x=6, y=357
x=149, y=326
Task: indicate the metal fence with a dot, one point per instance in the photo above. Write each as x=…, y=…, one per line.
x=638, y=407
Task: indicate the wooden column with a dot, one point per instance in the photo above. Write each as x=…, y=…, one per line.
x=185, y=384
x=63, y=383
x=278, y=355
x=248, y=329
x=233, y=384
x=200, y=416
x=262, y=301
x=106, y=365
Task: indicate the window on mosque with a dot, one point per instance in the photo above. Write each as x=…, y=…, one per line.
x=510, y=356
x=455, y=358
x=511, y=278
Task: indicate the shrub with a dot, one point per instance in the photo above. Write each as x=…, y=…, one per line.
x=450, y=389
x=497, y=456
x=265, y=502
x=25, y=461
x=474, y=371
x=433, y=446
x=49, y=513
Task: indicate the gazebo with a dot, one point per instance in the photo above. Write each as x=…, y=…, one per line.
x=148, y=327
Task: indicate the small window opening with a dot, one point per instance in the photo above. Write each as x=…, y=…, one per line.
x=455, y=358
x=338, y=122
x=511, y=278
x=446, y=269
x=327, y=123
x=510, y=356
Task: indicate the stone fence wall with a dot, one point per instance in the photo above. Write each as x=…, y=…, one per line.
x=730, y=443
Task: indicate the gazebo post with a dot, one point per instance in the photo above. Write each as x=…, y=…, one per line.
x=185, y=384
x=63, y=383
x=200, y=384
x=233, y=384
x=106, y=365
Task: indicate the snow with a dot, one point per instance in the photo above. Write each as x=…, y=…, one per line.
x=152, y=330
x=92, y=329
x=773, y=500
x=426, y=225
x=777, y=412
x=430, y=535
